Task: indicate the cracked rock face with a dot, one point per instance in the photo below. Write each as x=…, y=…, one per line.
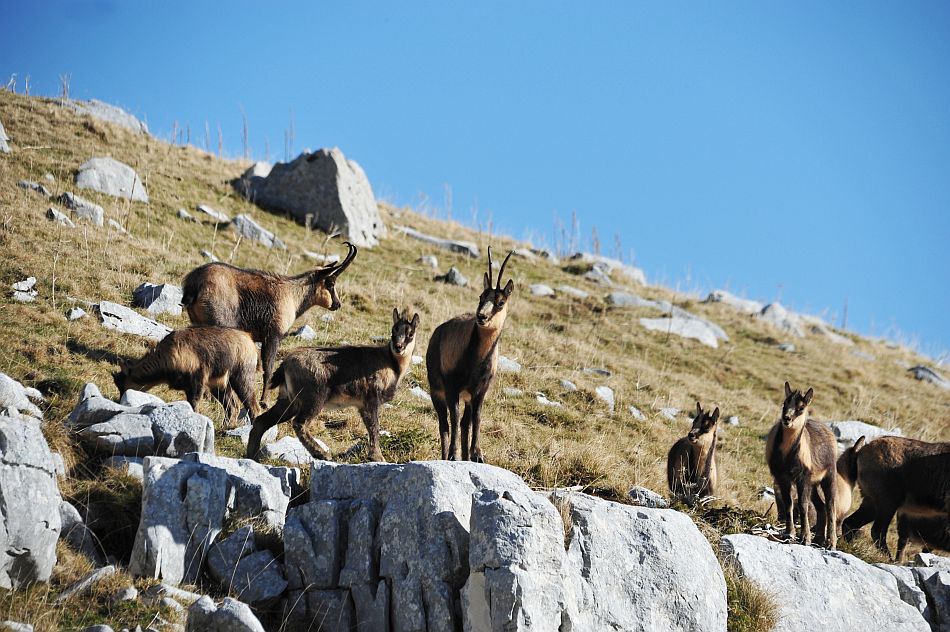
x=29, y=502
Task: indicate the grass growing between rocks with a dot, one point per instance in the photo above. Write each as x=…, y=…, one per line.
x=751, y=609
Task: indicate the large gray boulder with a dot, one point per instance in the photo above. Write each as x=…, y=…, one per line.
x=18, y=397
x=82, y=208
x=816, y=589
x=247, y=228
x=231, y=616
x=467, y=248
x=128, y=321
x=744, y=305
x=112, y=429
x=848, y=432
x=107, y=112
x=693, y=328
x=158, y=299
x=111, y=177
x=324, y=188
x=776, y=315
x=29, y=502
x=4, y=147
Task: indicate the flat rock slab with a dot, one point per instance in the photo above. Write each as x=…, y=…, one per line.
x=111, y=177
x=128, y=321
x=573, y=292
x=83, y=209
x=214, y=214
x=231, y=616
x=841, y=592
x=467, y=248
x=158, y=299
x=684, y=327
x=743, y=305
x=247, y=228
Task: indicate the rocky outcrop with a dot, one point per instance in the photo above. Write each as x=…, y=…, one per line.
x=324, y=189
x=128, y=321
x=29, y=502
x=14, y=395
x=111, y=177
x=816, y=589
x=466, y=248
x=158, y=299
x=848, y=432
x=107, y=112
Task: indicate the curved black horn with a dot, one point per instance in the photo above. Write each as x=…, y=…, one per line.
x=491, y=272
x=503, y=264
x=346, y=260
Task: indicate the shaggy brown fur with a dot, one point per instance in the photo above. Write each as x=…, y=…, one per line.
x=802, y=451
x=691, y=463
x=263, y=304
x=898, y=474
x=847, y=473
x=930, y=533
x=461, y=360
x=198, y=358
x=311, y=379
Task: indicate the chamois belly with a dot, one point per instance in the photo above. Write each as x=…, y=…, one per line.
x=339, y=402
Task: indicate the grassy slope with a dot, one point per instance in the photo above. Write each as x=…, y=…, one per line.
x=553, y=339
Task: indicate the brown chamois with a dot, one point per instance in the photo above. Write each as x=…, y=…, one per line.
x=311, y=379
x=802, y=452
x=900, y=475
x=691, y=464
x=929, y=533
x=264, y=304
x=197, y=358
x=461, y=361
x=847, y=472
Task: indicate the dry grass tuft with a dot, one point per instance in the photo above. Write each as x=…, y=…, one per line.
x=751, y=609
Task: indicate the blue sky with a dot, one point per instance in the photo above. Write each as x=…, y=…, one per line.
x=797, y=151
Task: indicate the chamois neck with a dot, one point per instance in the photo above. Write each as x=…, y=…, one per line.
x=402, y=360
x=486, y=337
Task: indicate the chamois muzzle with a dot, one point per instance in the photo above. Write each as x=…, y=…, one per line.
x=691, y=435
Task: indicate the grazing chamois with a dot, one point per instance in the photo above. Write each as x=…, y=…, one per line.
x=264, y=304
x=691, y=464
x=461, y=362
x=929, y=533
x=903, y=475
x=802, y=452
x=197, y=358
x=311, y=379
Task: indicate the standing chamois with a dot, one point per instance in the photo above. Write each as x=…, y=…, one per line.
x=461, y=362
x=195, y=359
x=691, y=464
x=264, y=304
x=802, y=451
x=905, y=476
x=311, y=379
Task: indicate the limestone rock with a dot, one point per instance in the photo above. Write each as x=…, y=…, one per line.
x=244, y=432
x=18, y=397
x=787, y=347
x=305, y=333
x=4, y=146
x=30, y=520
x=111, y=177
x=453, y=277
x=29, y=185
x=86, y=584
x=685, y=327
x=606, y=395
x=612, y=267
x=75, y=313
x=185, y=215
x=670, y=413
x=626, y=299
x=325, y=189
x=83, y=209
x=643, y=497
x=512, y=392
x=420, y=393
x=128, y=321
x=75, y=533
x=253, y=576
x=776, y=315
x=116, y=226
x=132, y=465
x=542, y=399
x=217, y=216
x=55, y=215
x=507, y=365
x=462, y=247
x=231, y=616
x=107, y=112
x=927, y=374
x=842, y=592
x=636, y=413
x=540, y=289
x=909, y=589
x=572, y=292
x=847, y=432
x=290, y=450
x=14, y=626
x=744, y=305
x=429, y=261
x=158, y=299
x=568, y=385
x=249, y=229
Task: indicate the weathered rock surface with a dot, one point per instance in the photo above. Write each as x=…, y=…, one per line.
x=776, y=315
x=4, y=145
x=244, y=432
x=29, y=185
x=161, y=429
x=606, y=395
x=927, y=374
x=685, y=327
x=231, y=616
x=18, y=397
x=107, y=112
x=643, y=497
x=847, y=432
x=305, y=333
x=29, y=503
x=612, y=267
x=158, y=299
x=540, y=289
x=507, y=365
x=86, y=584
x=216, y=215
x=82, y=208
x=420, y=393
x=249, y=229
x=75, y=533
x=325, y=189
x=128, y=321
x=842, y=592
x=909, y=588
x=111, y=177
x=250, y=574
x=742, y=304
x=289, y=450
x=467, y=248
x=55, y=215
x=253, y=178
x=132, y=465
x=453, y=277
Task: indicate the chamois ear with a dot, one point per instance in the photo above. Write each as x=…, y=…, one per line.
x=415, y=321
x=859, y=444
x=487, y=281
x=788, y=389
x=808, y=395
x=395, y=315
x=715, y=415
x=509, y=288
x=699, y=409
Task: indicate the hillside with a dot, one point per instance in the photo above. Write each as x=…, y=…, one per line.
x=581, y=443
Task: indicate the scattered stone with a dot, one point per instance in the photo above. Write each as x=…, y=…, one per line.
x=930, y=560
x=777, y=316
x=420, y=393
x=787, y=347
x=209, y=256
x=462, y=247
x=733, y=421
x=797, y=575
x=305, y=333
x=111, y=177
x=573, y=292
x=249, y=229
x=417, y=360
x=927, y=374
x=116, y=226
x=325, y=190
x=244, y=432
x=598, y=274
x=85, y=584
x=684, y=327
x=626, y=299
x=5, y=149
x=544, y=401
x=158, y=299
x=154, y=594
x=596, y=371
x=25, y=297
x=524, y=253
x=253, y=576
x=742, y=304
x=75, y=313
x=121, y=318
x=25, y=285
x=767, y=494
x=507, y=365
x=30, y=520
x=670, y=413
x=864, y=355
x=325, y=259
x=49, y=177
x=328, y=317
x=217, y=216
x=129, y=593
x=185, y=215
x=60, y=217
x=13, y=626
x=606, y=395
x=106, y=112
x=291, y=450
x=612, y=266
x=23, y=399
x=78, y=536
x=231, y=616
x=512, y=392
x=82, y=208
x=98, y=628
x=568, y=386
x=131, y=465
x=29, y=185
x=636, y=414
x=848, y=432
x=540, y=289
x=819, y=328
x=643, y=497
x=453, y=277
x=429, y=261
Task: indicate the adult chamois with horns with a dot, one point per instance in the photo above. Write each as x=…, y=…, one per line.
x=461, y=362
x=264, y=304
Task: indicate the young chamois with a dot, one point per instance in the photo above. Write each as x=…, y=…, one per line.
x=802, y=452
x=461, y=362
x=846, y=470
x=691, y=464
x=264, y=304
x=195, y=359
x=900, y=475
x=311, y=379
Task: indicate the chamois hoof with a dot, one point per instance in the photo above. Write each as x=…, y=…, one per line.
x=478, y=458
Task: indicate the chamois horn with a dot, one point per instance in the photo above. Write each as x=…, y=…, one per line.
x=340, y=267
x=501, y=272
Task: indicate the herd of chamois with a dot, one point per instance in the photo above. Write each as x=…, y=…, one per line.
x=233, y=308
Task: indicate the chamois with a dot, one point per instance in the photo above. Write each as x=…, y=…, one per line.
x=264, y=304
x=197, y=358
x=802, y=451
x=311, y=379
x=903, y=475
x=847, y=472
x=691, y=463
x=461, y=362
x=931, y=533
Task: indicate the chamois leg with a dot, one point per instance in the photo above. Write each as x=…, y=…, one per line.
x=268, y=357
x=821, y=517
x=195, y=391
x=442, y=412
x=226, y=399
x=804, y=500
x=903, y=535
x=829, y=488
x=453, y=404
x=281, y=411
x=785, y=487
x=243, y=386
x=370, y=415
x=882, y=520
x=476, y=451
x=307, y=412
x=466, y=428
x=853, y=523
